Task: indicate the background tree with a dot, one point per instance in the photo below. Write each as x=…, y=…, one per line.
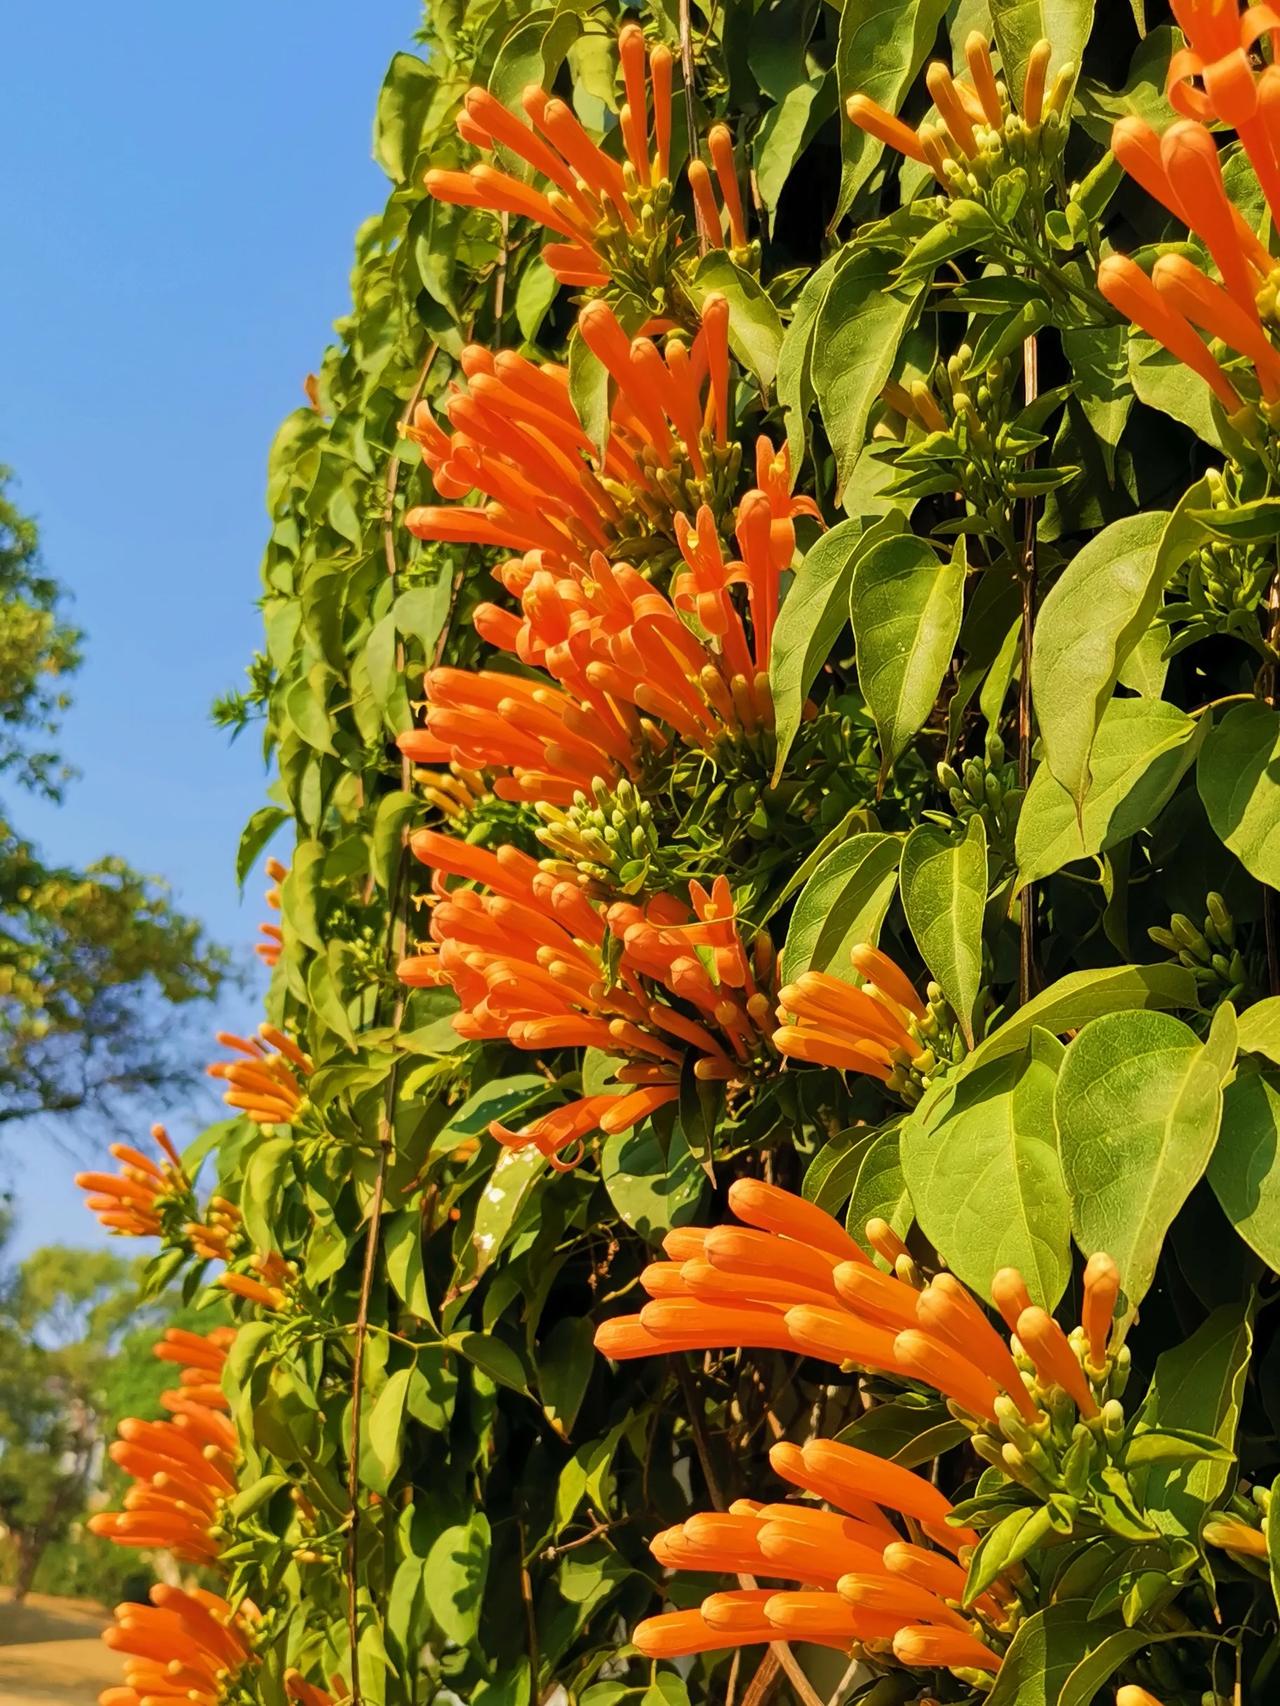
x=63, y=1319
x=92, y=962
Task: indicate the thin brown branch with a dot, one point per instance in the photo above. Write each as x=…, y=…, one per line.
x=763, y=1680
x=1027, y=578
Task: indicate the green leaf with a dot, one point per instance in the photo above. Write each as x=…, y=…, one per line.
x=1245, y=1169
x=589, y=392
x=1045, y=1650
x=255, y=836
x=1098, y=359
x=1005, y=1545
x=270, y=1164
x=856, y=335
x=493, y=1357
x=1082, y=1686
x=403, y=102
x=1020, y=24
x=652, y=1191
x=454, y=1578
x=1081, y=996
x=881, y=1190
x=1142, y=750
x=402, y=1255
x=1163, y=382
x=1260, y=1029
x=666, y=1689
x=755, y=326
x=381, y=1457
x=786, y=132
x=905, y=607
x=1197, y=1386
x=881, y=46
x=981, y=1163
x=843, y=903
x=565, y=1360
x=831, y=1175
x=944, y=895
x=1236, y=779
x=515, y=1173
x=395, y=812
x=814, y=611
x=1137, y=1108
x=1256, y=523
x=534, y=295
x=796, y=395
x=1093, y=617
x=1272, y=1531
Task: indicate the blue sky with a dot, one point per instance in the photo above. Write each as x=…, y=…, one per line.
x=181, y=190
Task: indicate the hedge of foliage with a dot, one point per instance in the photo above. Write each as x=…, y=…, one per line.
x=772, y=1065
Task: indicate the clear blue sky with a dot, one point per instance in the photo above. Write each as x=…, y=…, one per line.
x=180, y=193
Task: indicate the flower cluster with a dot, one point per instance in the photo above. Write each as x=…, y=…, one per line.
x=1212, y=80
x=271, y=945
x=184, y=1646
x=531, y=958
x=136, y=1201
x=614, y=220
x=267, y=1083
x=183, y=1467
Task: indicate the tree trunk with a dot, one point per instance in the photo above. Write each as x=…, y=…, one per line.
x=31, y=1545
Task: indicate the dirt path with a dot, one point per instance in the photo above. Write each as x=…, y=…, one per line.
x=50, y=1654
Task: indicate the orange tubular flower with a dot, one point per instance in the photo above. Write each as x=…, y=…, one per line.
x=857, y=1028
x=593, y=203
x=1128, y=289
x=129, y=1203
x=183, y=1467
x=1212, y=78
x=518, y=444
x=182, y=1647
x=884, y=1584
x=1131, y=1695
x=960, y=106
x=798, y=1282
x=264, y=1084
x=307, y=1693
x=269, y=949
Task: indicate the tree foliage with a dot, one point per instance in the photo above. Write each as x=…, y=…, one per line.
x=92, y=961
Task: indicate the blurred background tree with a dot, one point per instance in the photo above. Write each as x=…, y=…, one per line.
x=93, y=962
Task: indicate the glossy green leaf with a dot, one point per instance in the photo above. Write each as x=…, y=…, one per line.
x=1137, y=1108
x=880, y=1192
x=1020, y=24
x=855, y=342
x=755, y=326
x=652, y=1191
x=566, y=1358
x=385, y=1430
x=1237, y=779
x=881, y=46
x=944, y=895
x=981, y=1163
x=1142, y=750
x=1091, y=619
x=1082, y=995
x=257, y=833
x=515, y=1174
x=1045, y=1650
x=455, y=1575
x=905, y=607
x=814, y=611
x=1245, y=1169
x=1197, y=1385
x=831, y=1175
x=843, y=903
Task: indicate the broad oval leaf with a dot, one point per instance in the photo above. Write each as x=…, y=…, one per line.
x=1083, y=995
x=880, y=1192
x=1137, y=1108
x=813, y=613
x=1142, y=750
x=856, y=336
x=1046, y=1649
x=981, y=1163
x=1020, y=24
x=1092, y=618
x=905, y=607
x=652, y=1191
x=881, y=46
x=1237, y=780
x=1245, y=1168
x=944, y=895
x=843, y=903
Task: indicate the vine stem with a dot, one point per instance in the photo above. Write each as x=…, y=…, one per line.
x=1027, y=580
x=395, y=950
x=777, y=1649
x=1270, y=908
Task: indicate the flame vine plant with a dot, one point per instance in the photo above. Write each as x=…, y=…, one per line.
x=759, y=1178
